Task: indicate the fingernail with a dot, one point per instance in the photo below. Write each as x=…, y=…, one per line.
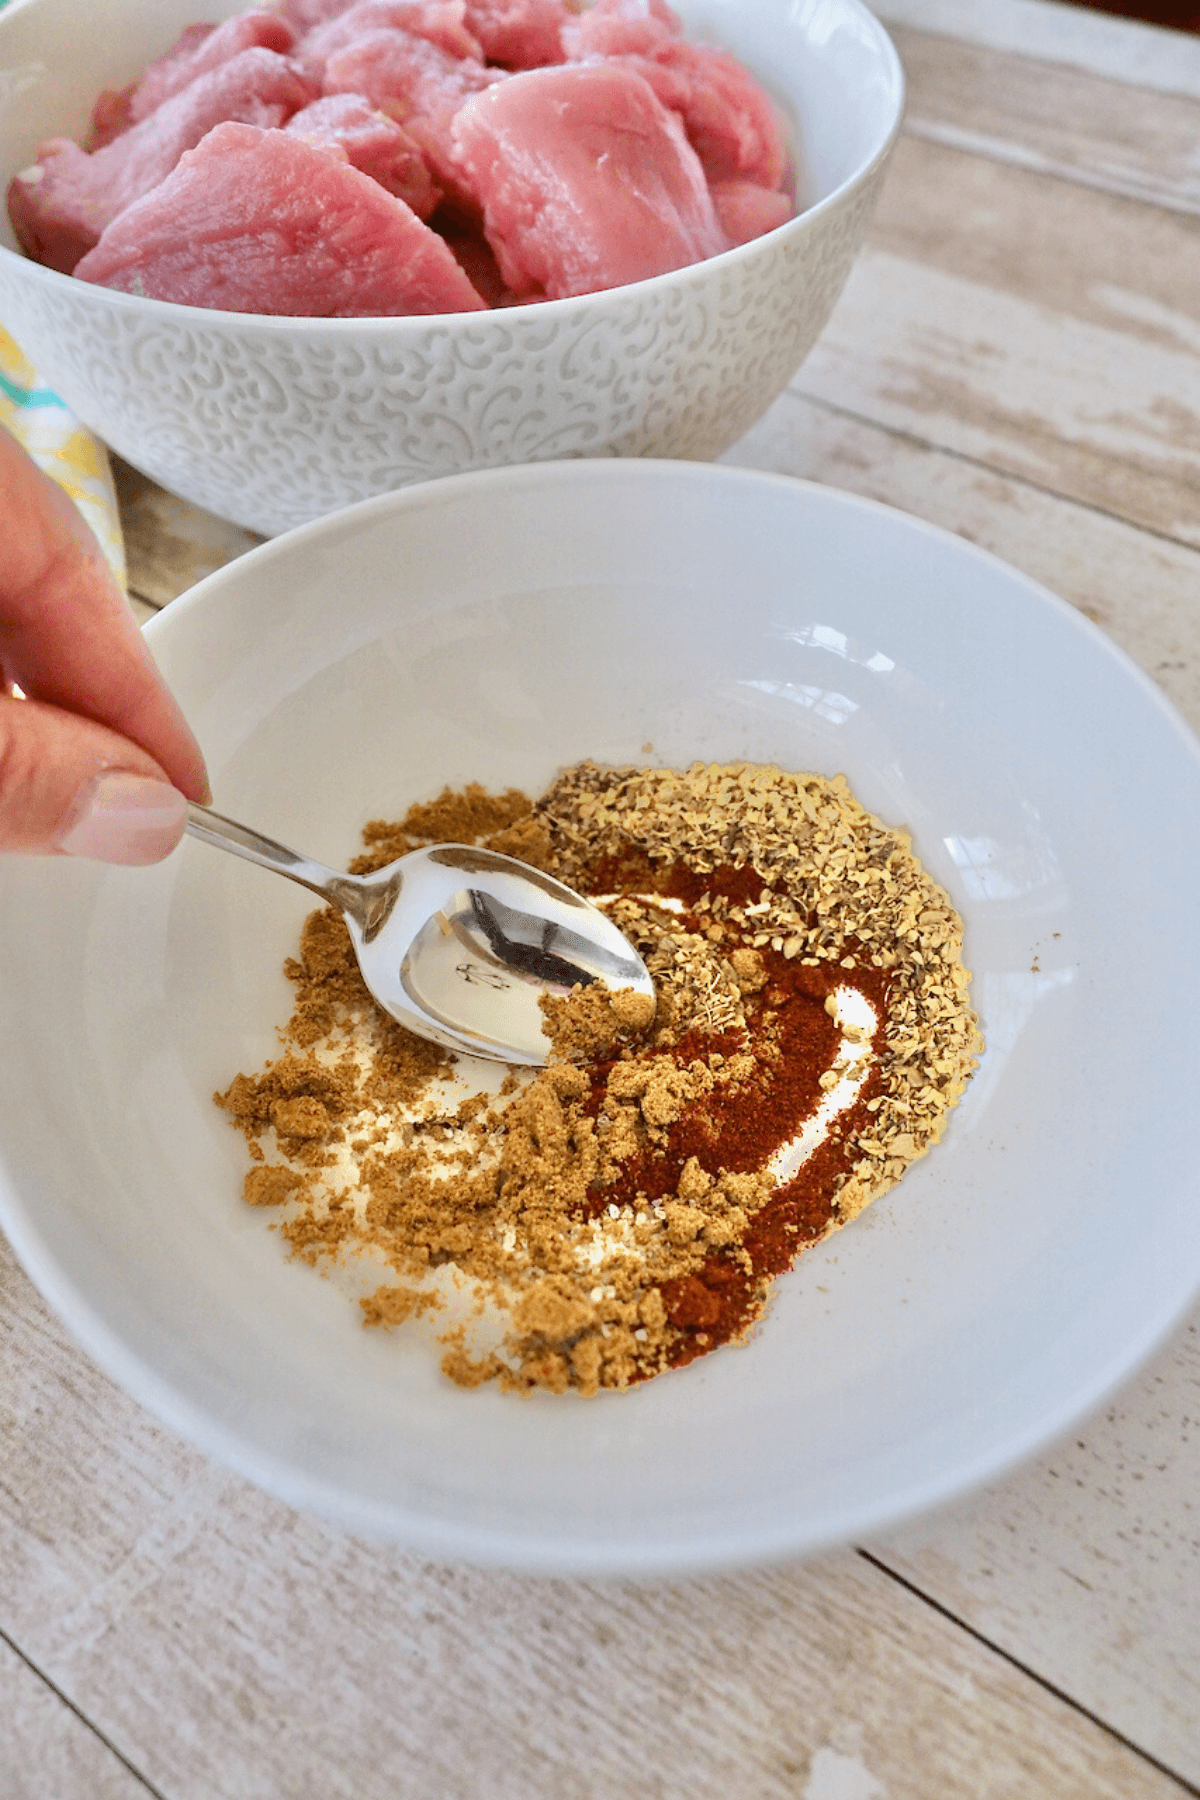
x=123, y=818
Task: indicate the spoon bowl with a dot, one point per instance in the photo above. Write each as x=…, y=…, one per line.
x=457, y=943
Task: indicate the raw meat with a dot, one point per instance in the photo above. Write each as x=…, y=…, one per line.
x=303, y=15
x=728, y=118
x=174, y=72
x=199, y=49
x=621, y=28
x=746, y=210
x=266, y=222
x=373, y=143
x=439, y=22
x=417, y=84
x=110, y=117
x=60, y=207
x=558, y=149
x=519, y=34
x=585, y=179
x=111, y=114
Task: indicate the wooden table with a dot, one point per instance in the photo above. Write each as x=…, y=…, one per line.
x=1017, y=357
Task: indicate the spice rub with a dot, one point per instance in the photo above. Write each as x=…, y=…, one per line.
x=626, y=1209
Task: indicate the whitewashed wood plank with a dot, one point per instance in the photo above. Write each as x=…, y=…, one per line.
x=66, y=1527
x=46, y=1751
x=1052, y=120
x=1040, y=1564
x=1142, y=589
x=1042, y=328
x=1144, y=56
x=169, y=543
x=227, y=1645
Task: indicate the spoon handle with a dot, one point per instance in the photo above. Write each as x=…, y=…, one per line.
x=213, y=828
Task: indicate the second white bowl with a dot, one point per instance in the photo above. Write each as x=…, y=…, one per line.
x=495, y=627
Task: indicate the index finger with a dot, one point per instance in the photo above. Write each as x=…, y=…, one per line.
x=67, y=635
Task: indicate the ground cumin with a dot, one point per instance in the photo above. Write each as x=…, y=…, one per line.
x=626, y=1209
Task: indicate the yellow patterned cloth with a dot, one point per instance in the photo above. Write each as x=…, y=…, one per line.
x=59, y=444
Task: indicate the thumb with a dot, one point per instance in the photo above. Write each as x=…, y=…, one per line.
x=70, y=786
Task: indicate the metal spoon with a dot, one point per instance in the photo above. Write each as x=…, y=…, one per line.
x=458, y=944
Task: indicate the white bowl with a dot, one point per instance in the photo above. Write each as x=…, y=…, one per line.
x=272, y=422
x=494, y=627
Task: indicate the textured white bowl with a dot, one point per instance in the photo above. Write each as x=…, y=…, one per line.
x=494, y=627
x=271, y=422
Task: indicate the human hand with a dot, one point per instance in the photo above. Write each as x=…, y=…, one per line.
x=97, y=760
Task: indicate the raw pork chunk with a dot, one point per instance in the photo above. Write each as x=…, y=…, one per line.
x=747, y=211
x=439, y=22
x=519, y=34
x=418, y=85
x=373, y=143
x=585, y=179
x=265, y=222
x=728, y=118
x=199, y=49
x=304, y=15
x=622, y=28
x=60, y=207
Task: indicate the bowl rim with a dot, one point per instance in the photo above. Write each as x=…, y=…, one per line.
x=709, y=1552
x=798, y=226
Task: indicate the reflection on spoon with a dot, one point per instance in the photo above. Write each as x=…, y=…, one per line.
x=458, y=944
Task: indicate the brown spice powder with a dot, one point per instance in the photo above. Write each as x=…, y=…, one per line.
x=627, y=1208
